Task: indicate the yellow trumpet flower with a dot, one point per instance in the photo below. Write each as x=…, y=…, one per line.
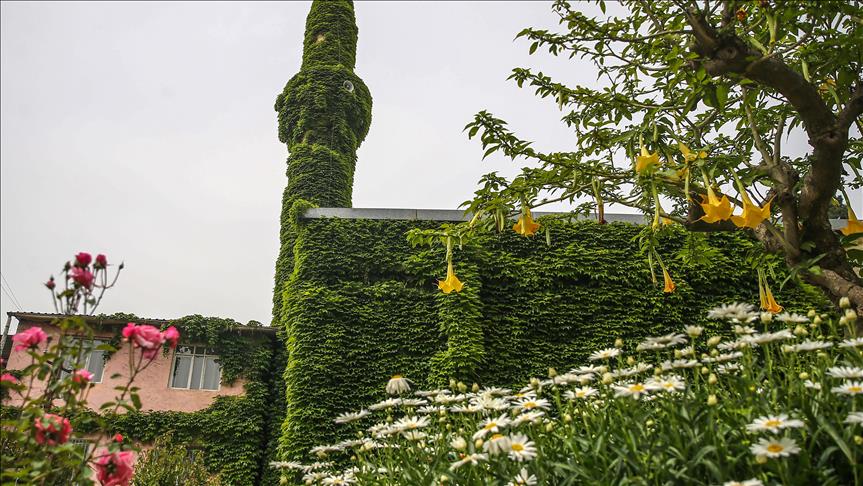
x=715, y=209
x=525, y=226
x=669, y=284
x=768, y=303
x=752, y=214
x=646, y=161
x=689, y=155
x=854, y=225
x=451, y=282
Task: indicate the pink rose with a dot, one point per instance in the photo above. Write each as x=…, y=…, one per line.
x=115, y=469
x=8, y=378
x=50, y=283
x=101, y=261
x=82, y=277
x=118, y=437
x=29, y=339
x=148, y=338
x=83, y=259
x=171, y=336
x=52, y=429
x=82, y=376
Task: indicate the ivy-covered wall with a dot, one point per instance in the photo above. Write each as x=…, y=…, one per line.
x=236, y=434
x=362, y=305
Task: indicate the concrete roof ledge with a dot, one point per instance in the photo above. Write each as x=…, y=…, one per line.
x=458, y=215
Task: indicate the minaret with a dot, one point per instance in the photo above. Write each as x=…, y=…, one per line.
x=324, y=115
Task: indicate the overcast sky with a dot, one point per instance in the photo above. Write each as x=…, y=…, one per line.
x=146, y=131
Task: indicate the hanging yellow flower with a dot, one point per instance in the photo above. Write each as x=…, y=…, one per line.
x=669, y=284
x=689, y=155
x=451, y=282
x=752, y=214
x=854, y=225
x=768, y=303
x=525, y=226
x=715, y=209
x=646, y=161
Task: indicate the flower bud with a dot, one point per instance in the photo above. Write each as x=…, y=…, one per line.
x=804, y=375
x=845, y=303
x=567, y=418
x=712, y=400
x=474, y=388
x=461, y=387
x=649, y=423
x=817, y=321
x=101, y=261
x=283, y=480
x=677, y=354
x=850, y=316
x=459, y=444
x=761, y=459
x=607, y=378
x=858, y=440
x=50, y=283
x=618, y=343
x=766, y=317
x=811, y=314
x=630, y=361
x=549, y=427
x=552, y=372
x=478, y=443
x=714, y=352
x=452, y=384
x=711, y=380
x=713, y=341
x=800, y=330
x=704, y=370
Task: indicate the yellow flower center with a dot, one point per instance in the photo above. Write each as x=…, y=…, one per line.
x=774, y=448
x=491, y=426
x=638, y=387
x=497, y=436
x=529, y=405
x=580, y=394
x=773, y=423
x=855, y=389
x=397, y=377
x=517, y=447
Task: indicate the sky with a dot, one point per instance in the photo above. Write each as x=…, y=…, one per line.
x=146, y=131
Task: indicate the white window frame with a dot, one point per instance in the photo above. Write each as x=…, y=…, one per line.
x=86, y=365
x=193, y=355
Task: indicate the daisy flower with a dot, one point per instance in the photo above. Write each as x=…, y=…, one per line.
x=791, y=318
x=458, y=443
x=495, y=391
x=287, y=465
x=773, y=423
x=448, y=399
x=414, y=435
x=748, y=482
x=726, y=368
x=430, y=409
x=529, y=404
x=383, y=405
x=488, y=402
x=845, y=372
x=527, y=417
x=774, y=447
x=498, y=443
x=314, y=477
x=413, y=402
x=606, y=353
x=849, y=388
x=738, y=329
x=521, y=448
x=852, y=343
x=812, y=385
x=398, y=385
x=626, y=372
x=580, y=393
x=411, y=423
x=431, y=393
x=677, y=364
x=634, y=390
x=671, y=383
x=733, y=312
x=693, y=331
x=348, y=417
x=492, y=426
x=854, y=418
x=523, y=478
x=472, y=459
x=585, y=370
x=769, y=337
x=808, y=346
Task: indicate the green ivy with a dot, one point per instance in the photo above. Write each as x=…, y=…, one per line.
x=362, y=305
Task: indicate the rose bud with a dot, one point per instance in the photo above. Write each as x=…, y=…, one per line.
x=83, y=259
x=50, y=283
x=118, y=437
x=101, y=261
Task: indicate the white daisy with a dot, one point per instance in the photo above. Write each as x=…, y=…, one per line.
x=733, y=312
x=734, y=345
x=748, y=482
x=324, y=449
x=812, y=385
x=287, y=465
x=791, y=318
x=774, y=423
x=774, y=447
x=521, y=448
x=527, y=417
x=466, y=409
x=385, y=404
x=339, y=480
x=726, y=368
x=634, y=390
x=489, y=402
x=849, y=388
x=314, y=477
x=495, y=391
x=523, y=478
x=854, y=418
x=635, y=370
x=852, y=343
x=472, y=459
x=449, y=399
x=808, y=346
x=497, y=444
x=769, y=337
x=671, y=383
x=492, y=426
x=606, y=353
x=431, y=393
x=580, y=393
x=687, y=351
x=529, y=404
x=430, y=409
x=398, y=385
x=411, y=423
x=351, y=416
x=738, y=329
x=584, y=370
x=414, y=435
x=845, y=372
x=413, y=402
x=458, y=443
x=678, y=364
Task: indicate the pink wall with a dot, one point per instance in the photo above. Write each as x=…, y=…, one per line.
x=155, y=392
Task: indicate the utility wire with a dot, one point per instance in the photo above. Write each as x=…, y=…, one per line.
x=15, y=303
x=14, y=297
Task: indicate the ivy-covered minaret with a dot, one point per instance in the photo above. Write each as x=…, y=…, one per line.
x=324, y=115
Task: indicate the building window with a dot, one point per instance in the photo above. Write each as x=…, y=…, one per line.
x=196, y=368
x=89, y=358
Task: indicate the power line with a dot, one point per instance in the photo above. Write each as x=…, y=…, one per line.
x=12, y=299
x=9, y=286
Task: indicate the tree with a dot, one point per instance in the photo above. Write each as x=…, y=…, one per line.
x=692, y=105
